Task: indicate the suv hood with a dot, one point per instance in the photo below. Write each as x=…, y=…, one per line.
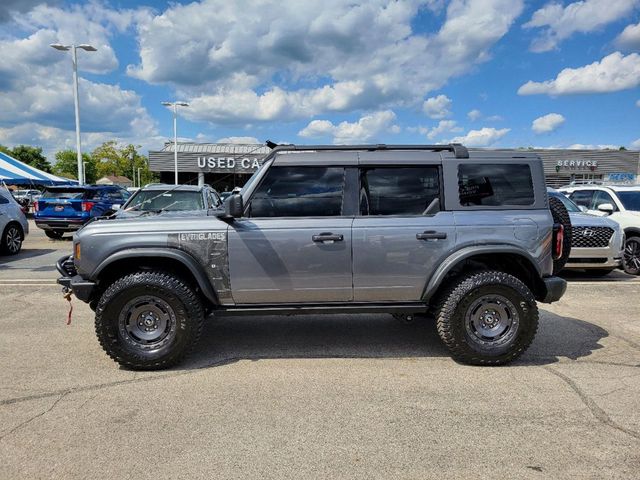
x=586, y=220
x=153, y=224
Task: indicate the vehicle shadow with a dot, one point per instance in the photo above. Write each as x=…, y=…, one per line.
x=227, y=340
x=26, y=253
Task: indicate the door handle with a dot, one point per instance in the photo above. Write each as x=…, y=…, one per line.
x=431, y=235
x=327, y=237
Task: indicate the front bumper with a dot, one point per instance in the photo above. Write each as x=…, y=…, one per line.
x=70, y=279
x=555, y=288
x=602, y=258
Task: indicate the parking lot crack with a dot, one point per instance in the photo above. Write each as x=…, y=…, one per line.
x=34, y=417
x=595, y=410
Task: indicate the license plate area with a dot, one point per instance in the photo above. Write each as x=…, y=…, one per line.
x=58, y=208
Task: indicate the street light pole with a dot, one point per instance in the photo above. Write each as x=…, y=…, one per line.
x=76, y=99
x=175, y=106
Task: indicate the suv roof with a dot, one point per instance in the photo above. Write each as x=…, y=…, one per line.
x=615, y=188
x=457, y=149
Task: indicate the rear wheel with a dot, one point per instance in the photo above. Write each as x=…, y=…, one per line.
x=12, y=239
x=631, y=256
x=561, y=215
x=149, y=320
x=54, y=234
x=487, y=318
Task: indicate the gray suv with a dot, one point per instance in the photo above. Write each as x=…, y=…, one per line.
x=402, y=229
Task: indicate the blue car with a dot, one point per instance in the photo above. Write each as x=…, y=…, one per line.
x=66, y=209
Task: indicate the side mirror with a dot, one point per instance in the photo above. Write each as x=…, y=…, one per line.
x=234, y=206
x=606, y=208
x=583, y=208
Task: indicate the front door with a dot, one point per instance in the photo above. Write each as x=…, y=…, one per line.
x=401, y=235
x=294, y=245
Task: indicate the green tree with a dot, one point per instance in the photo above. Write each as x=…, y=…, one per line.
x=30, y=155
x=113, y=159
x=67, y=165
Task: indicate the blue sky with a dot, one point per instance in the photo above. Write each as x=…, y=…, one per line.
x=489, y=73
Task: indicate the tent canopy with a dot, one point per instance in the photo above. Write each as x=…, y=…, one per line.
x=15, y=172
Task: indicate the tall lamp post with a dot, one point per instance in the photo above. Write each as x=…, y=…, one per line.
x=175, y=106
x=74, y=56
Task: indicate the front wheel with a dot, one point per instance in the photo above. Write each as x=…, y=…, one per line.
x=149, y=320
x=487, y=318
x=631, y=256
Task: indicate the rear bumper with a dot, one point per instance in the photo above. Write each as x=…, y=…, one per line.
x=80, y=287
x=555, y=288
x=61, y=224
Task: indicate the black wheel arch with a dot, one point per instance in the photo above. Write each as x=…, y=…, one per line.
x=507, y=259
x=158, y=259
x=631, y=232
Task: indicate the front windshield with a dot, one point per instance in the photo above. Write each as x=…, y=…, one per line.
x=630, y=200
x=152, y=200
x=568, y=203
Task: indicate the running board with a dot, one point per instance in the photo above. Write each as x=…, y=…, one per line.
x=332, y=308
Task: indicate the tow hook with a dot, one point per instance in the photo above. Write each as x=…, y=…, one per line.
x=66, y=294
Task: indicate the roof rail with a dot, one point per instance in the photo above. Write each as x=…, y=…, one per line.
x=457, y=149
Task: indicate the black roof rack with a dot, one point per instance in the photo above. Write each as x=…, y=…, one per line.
x=460, y=151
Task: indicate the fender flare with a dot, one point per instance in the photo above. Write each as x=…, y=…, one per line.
x=464, y=253
x=183, y=257
x=631, y=232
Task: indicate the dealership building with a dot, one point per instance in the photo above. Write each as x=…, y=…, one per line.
x=226, y=165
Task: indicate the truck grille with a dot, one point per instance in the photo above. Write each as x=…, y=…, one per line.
x=591, y=237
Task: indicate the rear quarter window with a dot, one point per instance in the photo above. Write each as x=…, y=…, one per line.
x=495, y=185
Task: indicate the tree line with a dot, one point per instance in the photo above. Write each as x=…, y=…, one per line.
x=110, y=158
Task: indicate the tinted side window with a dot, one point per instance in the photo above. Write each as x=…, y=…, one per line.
x=3, y=199
x=299, y=192
x=495, y=185
x=399, y=191
x=582, y=198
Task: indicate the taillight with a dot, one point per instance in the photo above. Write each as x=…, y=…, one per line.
x=559, y=241
x=36, y=206
x=87, y=206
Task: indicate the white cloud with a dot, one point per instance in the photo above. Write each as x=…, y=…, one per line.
x=35, y=80
x=547, y=123
x=629, y=39
x=444, y=126
x=437, y=107
x=636, y=144
x=474, y=115
x=481, y=138
x=613, y=73
x=367, y=128
x=582, y=146
x=559, y=23
x=239, y=140
x=333, y=56
x=638, y=104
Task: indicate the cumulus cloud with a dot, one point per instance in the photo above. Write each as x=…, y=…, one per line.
x=437, y=107
x=636, y=144
x=484, y=137
x=613, y=73
x=367, y=128
x=300, y=59
x=547, y=123
x=582, y=146
x=474, y=115
x=559, y=23
x=239, y=140
x=444, y=126
x=629, y=39
x=36, y=86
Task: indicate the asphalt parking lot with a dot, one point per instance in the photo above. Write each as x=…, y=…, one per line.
x=361, y=396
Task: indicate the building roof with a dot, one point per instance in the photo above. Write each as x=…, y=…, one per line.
x=231, y=148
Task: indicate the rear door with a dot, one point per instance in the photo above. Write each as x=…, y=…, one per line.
x=294, y=245
x=401, y=233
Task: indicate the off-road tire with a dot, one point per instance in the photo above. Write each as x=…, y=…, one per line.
x=561, y=215
x=11, y=239
x=630, y=256
x=176, y=293
x=452, y=310
x=54, y=234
